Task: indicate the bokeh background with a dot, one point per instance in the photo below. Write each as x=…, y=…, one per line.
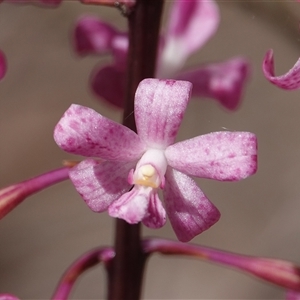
x=260, y=215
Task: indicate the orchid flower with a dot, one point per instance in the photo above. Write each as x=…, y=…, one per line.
x=149, y=160
x=191, y=24
x=3, y=66
x=288, y=81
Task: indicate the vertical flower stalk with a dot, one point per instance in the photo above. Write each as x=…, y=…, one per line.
x=125, y=274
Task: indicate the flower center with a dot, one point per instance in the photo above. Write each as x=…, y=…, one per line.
x=147, y=176
x=150, y=170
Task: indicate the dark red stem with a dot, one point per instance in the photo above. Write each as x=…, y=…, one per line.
x=83, y=263
x=126, y=269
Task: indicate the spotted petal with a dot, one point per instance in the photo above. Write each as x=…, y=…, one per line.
x=222, y=155
x=288, y=81
x=83, y=131
x=156, y=215
x=222, y=81
x=159, y=109
x=188, y=209
x=131, y=207
x=191, y=24
x=100, y=184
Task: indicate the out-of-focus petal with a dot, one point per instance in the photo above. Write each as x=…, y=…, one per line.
x=109, y=83
x=94, y=36
x=128, y=3
x=292, y=295
x=8, y=297
x=188, y=209
x=83, y=131
x=222, y=81
x=191, y=24
x=50, y=3
x=288, y=81
x=3, y=66
x=227, y=156
x=156, y=215
x=159, y=109
x=131, y=207
x=100, y=184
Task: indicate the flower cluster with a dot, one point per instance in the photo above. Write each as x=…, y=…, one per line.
x=223, y=81
x=134, y=167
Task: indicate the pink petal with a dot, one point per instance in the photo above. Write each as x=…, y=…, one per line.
x=288, y=81
x=290, y=295
x=100, y=184
x=223, y=81
x=83, y=131
x=127, y=3
x=156, y=215
x=3, y=66
x=8, y=297
x=109, y=83
x=50, y=3
x=94, y=36
x=159, y=109
x=131, y=207
x=222, y=155
x=191, y=24
x=188, y=209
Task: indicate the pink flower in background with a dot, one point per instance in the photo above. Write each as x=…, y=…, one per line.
x=292, y=295
x=3, y=66
x=8, y=297
x=149, y=160
x=116, y=3
x=288, y=81
x=191, y=24
x=46, y=2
